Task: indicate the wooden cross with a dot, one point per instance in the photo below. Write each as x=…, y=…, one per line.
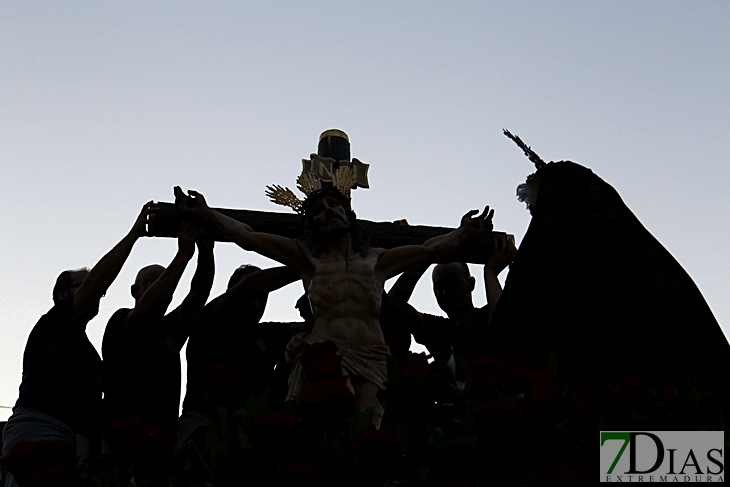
x=475, y=250
x=334, y=151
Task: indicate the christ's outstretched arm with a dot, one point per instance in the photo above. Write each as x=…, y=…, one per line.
x=281, y=249
x=394, y=261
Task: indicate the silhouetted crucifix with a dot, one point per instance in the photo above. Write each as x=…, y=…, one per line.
x=333, y=152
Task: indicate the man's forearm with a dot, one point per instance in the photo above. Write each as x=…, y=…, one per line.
x=202, y=281
x=238, y=232
x=403, y=288
x=102, y=275
x=494, y=290
x=159, y=295
x=164, y=287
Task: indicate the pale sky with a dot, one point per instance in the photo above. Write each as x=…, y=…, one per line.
x=104, y=106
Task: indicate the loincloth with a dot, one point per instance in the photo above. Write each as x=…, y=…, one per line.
x=365, y=362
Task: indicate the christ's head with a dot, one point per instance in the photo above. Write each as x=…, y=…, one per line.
x=325, y=208
x=326, y=215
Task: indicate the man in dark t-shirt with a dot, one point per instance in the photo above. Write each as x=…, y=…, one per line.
x=60, y=362
x=142, y=368
x=230, y=355
x=464, y=330
x=60, y=395
x=141, y=346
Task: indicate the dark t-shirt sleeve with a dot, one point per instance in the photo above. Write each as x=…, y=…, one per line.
x=62, y=317
x=174, y=327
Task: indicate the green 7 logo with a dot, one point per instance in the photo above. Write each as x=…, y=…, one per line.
x=615, y=436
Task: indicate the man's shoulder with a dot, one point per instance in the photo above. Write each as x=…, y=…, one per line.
x=434, y=319
x=273, y=327
x=62, y=313
x=61, y=310
x=114, y=325
x=211, y=310
x=430, y=324
x=480, y=312
x=118, y=316
x=476, y=317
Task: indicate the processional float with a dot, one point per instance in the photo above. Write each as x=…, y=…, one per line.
x=607, y=303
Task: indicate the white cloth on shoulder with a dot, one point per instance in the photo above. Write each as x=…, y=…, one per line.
x=28, y=424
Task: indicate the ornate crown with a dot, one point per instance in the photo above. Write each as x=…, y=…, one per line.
x=331, y=165
x=343, y=180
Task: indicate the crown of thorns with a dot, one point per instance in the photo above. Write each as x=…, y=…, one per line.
x=343, y=180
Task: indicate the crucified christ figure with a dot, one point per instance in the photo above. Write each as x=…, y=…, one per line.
x=342, y=276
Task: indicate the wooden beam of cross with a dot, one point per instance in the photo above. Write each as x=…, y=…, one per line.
x=333, y=152
x=475, y=250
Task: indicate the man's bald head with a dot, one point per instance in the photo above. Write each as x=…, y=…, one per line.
x=145, y=277
x=451, y=268
x=452, y=286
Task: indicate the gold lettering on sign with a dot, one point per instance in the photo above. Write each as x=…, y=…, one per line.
x=323, y=168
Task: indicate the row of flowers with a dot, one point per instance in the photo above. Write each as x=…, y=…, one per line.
x=491, y=421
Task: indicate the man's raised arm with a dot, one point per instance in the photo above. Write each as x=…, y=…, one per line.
x=403, y=288
x=157, y=297
x=504, y=253
x=200, y=286
x=394, y=261
x=202, y=281
x=107, y=269
x=280, y=249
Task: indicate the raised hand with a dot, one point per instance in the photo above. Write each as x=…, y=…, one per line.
x=139, y=229
x=205, y=242
x=191, y=204
x=186, y=237
x=479, y=225
x=503, y=254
